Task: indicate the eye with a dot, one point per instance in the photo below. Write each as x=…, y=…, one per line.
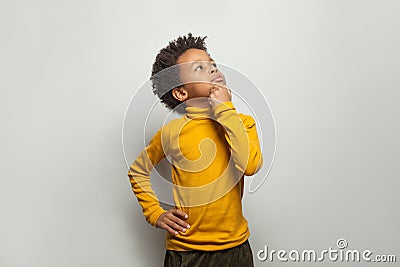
x=214, y=64
x=199, y=67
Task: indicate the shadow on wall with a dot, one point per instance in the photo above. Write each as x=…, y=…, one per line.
x=148, y=240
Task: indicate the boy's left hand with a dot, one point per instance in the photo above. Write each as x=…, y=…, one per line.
x=218, y=94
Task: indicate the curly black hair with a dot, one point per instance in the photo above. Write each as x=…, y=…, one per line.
x=164, y=77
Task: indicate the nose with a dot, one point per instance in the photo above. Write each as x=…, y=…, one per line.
x=213, y=69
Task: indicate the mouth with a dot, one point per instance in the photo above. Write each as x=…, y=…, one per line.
x=217, y=79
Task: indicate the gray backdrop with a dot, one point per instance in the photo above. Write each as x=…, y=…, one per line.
x=329, y=70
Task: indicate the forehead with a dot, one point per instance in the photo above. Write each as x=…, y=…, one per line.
x=192, y=55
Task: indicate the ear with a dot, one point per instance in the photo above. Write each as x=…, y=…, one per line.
x=180, y=93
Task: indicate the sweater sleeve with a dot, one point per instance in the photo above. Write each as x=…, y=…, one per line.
x=139, y=176
x=241, y=135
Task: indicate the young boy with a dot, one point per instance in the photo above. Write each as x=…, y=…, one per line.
x=210, y=148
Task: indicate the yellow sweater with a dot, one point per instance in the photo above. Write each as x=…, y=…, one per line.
x=210, y=151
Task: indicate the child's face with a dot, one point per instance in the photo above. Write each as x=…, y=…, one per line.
x=198, y=73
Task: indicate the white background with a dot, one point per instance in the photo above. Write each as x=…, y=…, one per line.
x=329, y=70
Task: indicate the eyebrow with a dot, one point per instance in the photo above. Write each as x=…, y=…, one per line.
x=196, y=61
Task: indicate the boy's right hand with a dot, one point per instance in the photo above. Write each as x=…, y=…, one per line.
x=173, y=221
x=218, y=94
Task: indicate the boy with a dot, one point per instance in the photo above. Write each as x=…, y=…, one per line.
x=211, y=147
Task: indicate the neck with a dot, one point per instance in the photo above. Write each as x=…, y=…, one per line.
x=200, y=102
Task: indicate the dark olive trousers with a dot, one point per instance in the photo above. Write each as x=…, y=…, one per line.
x=239, y=256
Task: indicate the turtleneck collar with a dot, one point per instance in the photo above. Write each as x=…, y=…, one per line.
x=198, y=113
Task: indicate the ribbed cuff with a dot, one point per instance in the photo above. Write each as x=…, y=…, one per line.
x=220, y=108
x=152, y=219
